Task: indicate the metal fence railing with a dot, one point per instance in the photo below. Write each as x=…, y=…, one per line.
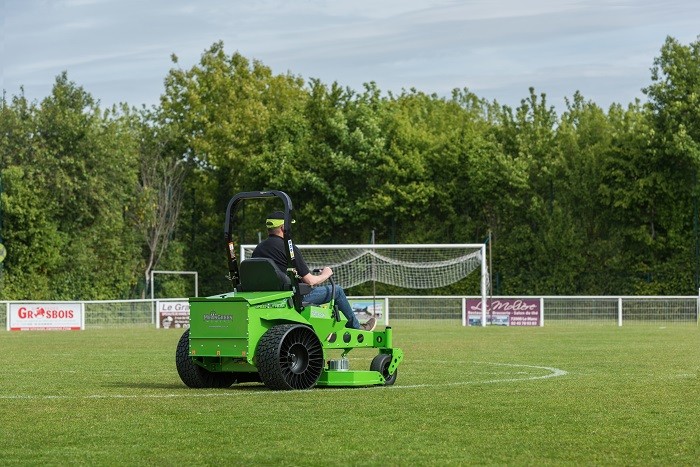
x=604, y=310
x=622, y=310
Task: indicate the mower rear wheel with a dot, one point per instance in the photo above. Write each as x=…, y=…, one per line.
x=381, y=364
x=289, y=356
x=195, y=376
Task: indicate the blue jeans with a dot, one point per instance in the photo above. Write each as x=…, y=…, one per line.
x=322, y=294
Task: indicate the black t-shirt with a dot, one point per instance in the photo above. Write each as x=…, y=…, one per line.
x=274, y=248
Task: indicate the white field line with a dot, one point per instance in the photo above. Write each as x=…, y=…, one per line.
x=553, y=373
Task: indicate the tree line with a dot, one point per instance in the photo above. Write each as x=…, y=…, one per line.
x=592, y=201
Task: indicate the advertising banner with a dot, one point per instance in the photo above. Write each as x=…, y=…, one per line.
x=367, y=308
x=173, y=314
x=505, y=312
x=45, y=317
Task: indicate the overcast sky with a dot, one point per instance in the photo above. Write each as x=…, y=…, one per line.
x=119, y=50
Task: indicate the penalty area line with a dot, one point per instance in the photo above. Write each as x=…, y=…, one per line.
x=553, y=373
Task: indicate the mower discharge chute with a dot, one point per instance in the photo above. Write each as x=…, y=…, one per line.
x=262, y=331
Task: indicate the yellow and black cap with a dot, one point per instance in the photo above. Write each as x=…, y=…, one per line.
x=276, y=219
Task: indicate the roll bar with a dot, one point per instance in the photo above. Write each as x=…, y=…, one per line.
x=231, y=210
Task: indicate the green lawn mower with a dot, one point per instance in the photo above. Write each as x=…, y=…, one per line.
x=264, y=332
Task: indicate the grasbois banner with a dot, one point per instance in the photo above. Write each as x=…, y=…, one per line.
x=45, y=317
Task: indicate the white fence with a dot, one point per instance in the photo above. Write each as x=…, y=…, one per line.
x=605, y=310
x=594, y=310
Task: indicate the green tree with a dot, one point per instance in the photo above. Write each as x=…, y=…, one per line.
x=238, y=124
x=583, y=139
x=68, y=172
x=672, y=169
x=30, y=231
x=528, y=137
x=345, y=144
x=159, y=193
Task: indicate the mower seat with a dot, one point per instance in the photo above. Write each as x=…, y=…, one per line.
x=262, y=275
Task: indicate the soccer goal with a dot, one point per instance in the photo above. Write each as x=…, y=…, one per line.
x=413, y=266
x=192, y=273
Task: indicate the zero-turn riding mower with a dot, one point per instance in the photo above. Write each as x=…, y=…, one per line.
x=263, y=331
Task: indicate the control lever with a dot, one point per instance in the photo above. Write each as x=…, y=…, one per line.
x=334, y=308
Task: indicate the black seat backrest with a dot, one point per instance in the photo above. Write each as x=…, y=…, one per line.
x=262, y=275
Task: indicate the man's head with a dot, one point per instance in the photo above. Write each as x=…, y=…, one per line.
x=275, y=221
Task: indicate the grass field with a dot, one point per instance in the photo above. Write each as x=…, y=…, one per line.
x=558, y=395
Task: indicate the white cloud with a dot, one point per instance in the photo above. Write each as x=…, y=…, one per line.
x=495, y=48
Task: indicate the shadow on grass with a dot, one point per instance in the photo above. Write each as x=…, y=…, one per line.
x=142, y=385
x=242, y=387
x=180, y=386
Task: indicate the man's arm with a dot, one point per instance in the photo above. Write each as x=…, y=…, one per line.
x=314, y=280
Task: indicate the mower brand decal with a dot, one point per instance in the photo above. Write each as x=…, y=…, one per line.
x=232, y=250
x=291, y=249
x=214, y=316
x=282, y=304
x=317, y=314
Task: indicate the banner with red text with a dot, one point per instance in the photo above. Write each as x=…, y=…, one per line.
x=505, y=311
x=45, y=317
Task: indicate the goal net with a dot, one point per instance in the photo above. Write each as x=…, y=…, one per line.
x=419, y=266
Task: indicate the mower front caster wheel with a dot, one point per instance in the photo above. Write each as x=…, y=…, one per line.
x=381, y=364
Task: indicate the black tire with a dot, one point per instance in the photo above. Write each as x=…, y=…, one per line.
x=193, y=375
x=381, y=364
x=221, y=379
x=289, y=356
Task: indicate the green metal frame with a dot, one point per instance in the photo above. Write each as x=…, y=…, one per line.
x=225, y=330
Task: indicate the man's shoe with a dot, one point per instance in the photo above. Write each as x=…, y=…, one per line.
x=369, y=325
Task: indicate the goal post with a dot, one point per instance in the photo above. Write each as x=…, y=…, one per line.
x=191, y=273
x=410, y=266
